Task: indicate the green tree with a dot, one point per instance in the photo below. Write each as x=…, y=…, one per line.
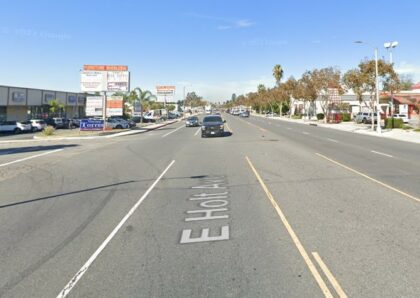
x=55, y=107
x=355, y=80
x=278, y=73
x=170, y=108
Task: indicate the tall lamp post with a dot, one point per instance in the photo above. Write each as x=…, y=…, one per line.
x=378, y=114
x=389, y=46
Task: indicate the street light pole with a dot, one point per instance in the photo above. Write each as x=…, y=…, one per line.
x=378, y=114
x=389, y=46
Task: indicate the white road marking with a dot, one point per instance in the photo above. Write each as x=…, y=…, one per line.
x=305, y=132
x=198, y=130
x=380, y=153
x=167, y=134
x=89, y=262
x=30, y=157
x=370, y=178
x=332, y=140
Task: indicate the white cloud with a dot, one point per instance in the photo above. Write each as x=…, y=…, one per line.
x=409, y=68
x=243, y=23
x=223, y=27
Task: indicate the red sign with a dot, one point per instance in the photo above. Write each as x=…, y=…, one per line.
x=106, y=67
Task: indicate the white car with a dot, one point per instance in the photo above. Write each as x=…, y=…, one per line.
x=38, y=124
x=24, y=126
x=401, y=116
x=116, y=123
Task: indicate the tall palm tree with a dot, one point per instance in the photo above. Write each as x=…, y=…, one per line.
x=278, y=73
x=143, y=96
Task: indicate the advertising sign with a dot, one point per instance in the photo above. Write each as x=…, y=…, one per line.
x=114, y=106
x=93, y=81
x=105, y=67
x=18, y=97
x=94, y=105
x=91, y=125
x=165, y=93
x=118, y=81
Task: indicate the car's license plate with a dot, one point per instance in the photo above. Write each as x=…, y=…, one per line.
x=212, y=132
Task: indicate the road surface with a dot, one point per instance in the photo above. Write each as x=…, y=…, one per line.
x=273, y=209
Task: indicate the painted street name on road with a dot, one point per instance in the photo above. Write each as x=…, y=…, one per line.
x=213, y=201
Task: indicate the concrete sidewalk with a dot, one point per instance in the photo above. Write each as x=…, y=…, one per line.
x=396, y=134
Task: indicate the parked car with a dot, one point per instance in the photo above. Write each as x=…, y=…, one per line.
x=362, y=117
x=131, y=123
x=212, y=125
x=401, y=116
x=24, y=126
x=9, y=126
x=55, y=122
x=117, y=123
x=192, y=121
x=271, y=114
x=38, y=124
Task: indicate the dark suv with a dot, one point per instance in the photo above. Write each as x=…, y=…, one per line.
x=212, y=125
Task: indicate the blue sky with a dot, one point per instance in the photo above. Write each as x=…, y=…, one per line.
x=213, y=47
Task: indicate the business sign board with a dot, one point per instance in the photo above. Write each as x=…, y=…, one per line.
x=18, y=97
x=93, y=81
x=165, y=93
x=94, y=105
x=118, y=81
x=102, y=78
x=48, y=97
x=114, y=106
x=91, y=125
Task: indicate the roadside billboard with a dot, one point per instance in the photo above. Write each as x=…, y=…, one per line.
x=114, y=106
x=94, y=105
x=93, y=81
x=165, y=93
x=105, y=78
x=91, y=125
x=118, y=81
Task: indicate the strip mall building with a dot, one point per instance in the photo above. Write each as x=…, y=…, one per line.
x=18, y=103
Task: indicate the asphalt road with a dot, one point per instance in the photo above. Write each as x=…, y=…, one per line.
x=273, y=209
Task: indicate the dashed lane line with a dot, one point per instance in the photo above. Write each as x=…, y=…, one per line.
x=66, y=290
x=167, y=134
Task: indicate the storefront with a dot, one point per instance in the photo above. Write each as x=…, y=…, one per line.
x=21, y=104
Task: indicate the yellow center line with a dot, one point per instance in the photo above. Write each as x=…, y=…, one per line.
x=370, y=178
x=292, y=234
x=329, y=275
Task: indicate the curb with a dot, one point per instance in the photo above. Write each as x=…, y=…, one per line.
x=120, y=134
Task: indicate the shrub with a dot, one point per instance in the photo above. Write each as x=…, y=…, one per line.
x=346, y=117
x=417, y=129
x=398, y=123
x=320, y=116
x=406, y=127
x=48, y=131
x=296, y=116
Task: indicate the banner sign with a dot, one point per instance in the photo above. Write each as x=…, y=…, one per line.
x=118, y=81
x=91, y=125
x=114, y=106
x=103, y=78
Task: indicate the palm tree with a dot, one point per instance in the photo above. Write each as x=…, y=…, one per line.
x=143, y=96
x=278, y=73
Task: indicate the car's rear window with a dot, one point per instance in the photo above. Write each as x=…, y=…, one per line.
x=212, y=119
